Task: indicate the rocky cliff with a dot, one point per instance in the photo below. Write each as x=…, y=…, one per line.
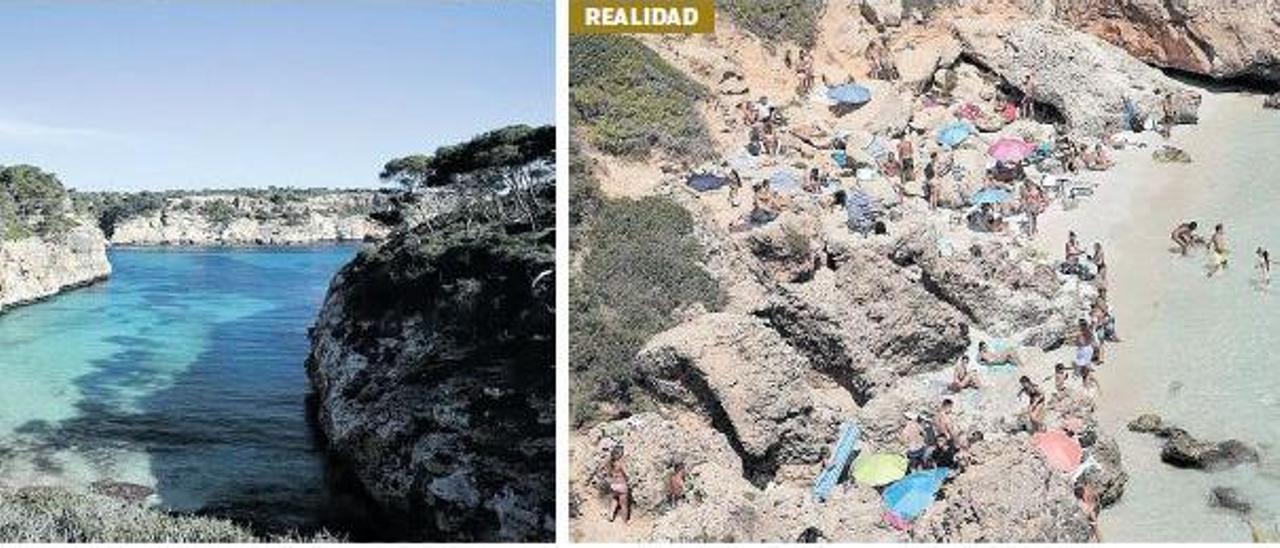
x=1225, y=39
x=432, y=365
x=251, y=219
x=33, y=268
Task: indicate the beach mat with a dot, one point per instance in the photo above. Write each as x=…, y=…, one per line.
x=845, y=446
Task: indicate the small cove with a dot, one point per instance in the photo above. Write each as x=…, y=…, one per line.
x=183, y=372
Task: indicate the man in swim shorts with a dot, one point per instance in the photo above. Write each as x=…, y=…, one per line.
x=1184, y=235
x=1218, y=249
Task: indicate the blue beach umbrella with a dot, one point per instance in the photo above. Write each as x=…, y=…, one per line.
x=908, y=497
x=954, y=133
x=703, y=182
x=989, y=196
x=784, y=182
x=851, y=94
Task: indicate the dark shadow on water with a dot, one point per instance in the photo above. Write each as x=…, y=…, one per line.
x=231, y=435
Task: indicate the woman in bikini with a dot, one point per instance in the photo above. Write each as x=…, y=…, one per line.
x=619, y=485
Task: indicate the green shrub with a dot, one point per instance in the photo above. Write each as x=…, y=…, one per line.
x=776, y=21
x=640, y=262
x=32, y=202
x=219, y=212
x=628, y=101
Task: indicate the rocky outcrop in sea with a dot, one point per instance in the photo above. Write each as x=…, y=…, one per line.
x=34, y=268
x=432, y=368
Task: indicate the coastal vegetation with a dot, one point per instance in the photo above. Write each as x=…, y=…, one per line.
x=793, y=21
x=33, y=202
x=498, y=176
x=50, y=514
x=627, y=101
x=640, y=262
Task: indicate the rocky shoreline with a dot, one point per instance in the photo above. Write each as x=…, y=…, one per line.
x=33, y=268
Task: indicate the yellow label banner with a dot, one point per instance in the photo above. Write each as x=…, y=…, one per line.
x=639, y=16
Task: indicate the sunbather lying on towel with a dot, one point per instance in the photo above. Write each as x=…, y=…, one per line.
x=989, y=357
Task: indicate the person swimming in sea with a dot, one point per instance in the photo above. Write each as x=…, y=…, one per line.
x=1217, y=250
x=1264, y=264
x=1184, y=236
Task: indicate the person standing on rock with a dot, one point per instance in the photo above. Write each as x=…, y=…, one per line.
x=619, y=485
x=1035, y=403
x=1087, y=496
x=1028, y=107
x=907, y=154
x=943, y=429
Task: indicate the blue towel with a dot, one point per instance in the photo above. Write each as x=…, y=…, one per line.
x=845, y=447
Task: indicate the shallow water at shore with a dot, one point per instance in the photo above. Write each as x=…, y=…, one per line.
x=1200, y=351
x=183, y=372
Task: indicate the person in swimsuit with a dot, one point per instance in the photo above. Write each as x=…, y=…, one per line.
x=1072, y=252
x=735, y=186
x=1060, y=372
x=989, y=357
x=1264, y=264
x=906, y=154
x=1087, y=496
x=1084, y=361
x=1035, y=403
x=914, y=438
x=1185, y=236
x=675, y=483
x=1217, y=250
x=619, y=485
x=1100, y=263
x=962, y=377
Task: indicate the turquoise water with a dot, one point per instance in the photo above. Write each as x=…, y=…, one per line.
x=183, y=372
x=1203, y=352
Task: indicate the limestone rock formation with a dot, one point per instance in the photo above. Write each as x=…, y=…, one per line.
x=34, y=268
x=1222, y=39
x=232, y=219
x=431, y=365
x=1083, y=78
x=1010, y=495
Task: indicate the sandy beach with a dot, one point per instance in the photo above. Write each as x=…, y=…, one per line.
x=1136, y=205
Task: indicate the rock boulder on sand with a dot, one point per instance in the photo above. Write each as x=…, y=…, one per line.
x=1085, y=79
x=882, y=12
x=1010, y=495
x=1229, y=498
x=1184, y=451
x=741, y=374
x=1216, y=38
x=1272, y=101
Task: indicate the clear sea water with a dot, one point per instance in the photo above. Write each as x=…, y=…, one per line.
x=1202, y=352
x=184, y=372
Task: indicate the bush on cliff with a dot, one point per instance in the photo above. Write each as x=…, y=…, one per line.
x=628, y=101
x=32, y=203
x=793, y=21
x=640, y=261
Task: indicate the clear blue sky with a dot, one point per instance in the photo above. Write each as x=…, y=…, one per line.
x=152, y=95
